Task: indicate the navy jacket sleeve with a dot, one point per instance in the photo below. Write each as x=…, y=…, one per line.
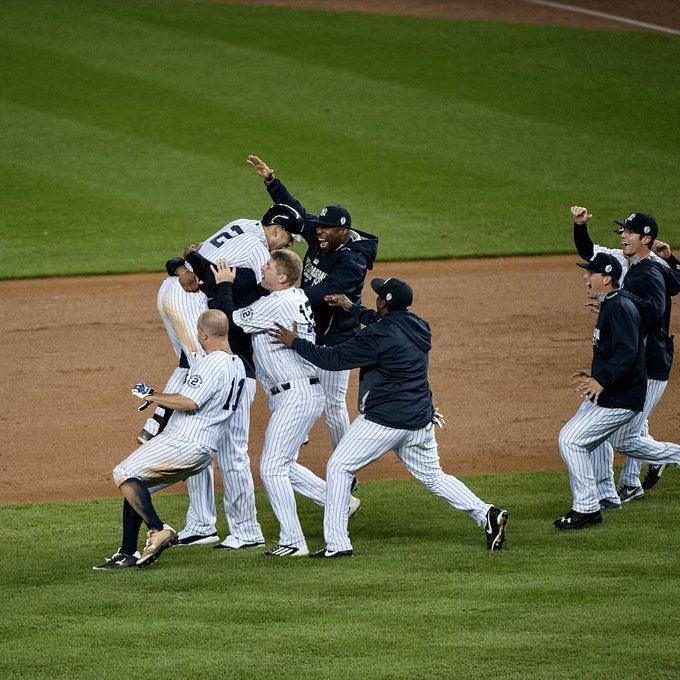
x=349, y=274
x=361, y=350
x=626, y=331
x=367, y=316
x=583, y=242
x=652, y=300
x=280, y=194
x=201, y=266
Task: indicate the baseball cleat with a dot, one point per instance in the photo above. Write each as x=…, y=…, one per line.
x=119, y=560
x=354, y=506
x=496, y=521
x=578, y=520
x=630, y=493
x=144, y=436
x=157, y=541
x=332, y=554
x=608, y=504
x=197, y=539
x=231, y=542
x=654, y=472
x=287, y=551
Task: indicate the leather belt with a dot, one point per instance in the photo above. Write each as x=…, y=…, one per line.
x=286, y=386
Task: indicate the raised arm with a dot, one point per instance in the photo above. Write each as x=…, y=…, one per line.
x=582, y=240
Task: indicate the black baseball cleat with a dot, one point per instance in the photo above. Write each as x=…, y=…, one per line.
x=197, y=539
x=630, y=493
x=332, y=554
x=496, y=521
x=578, y=520
x=654, y=472
x=119, y=560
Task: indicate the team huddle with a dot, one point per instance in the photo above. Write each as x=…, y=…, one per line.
x=241, y=308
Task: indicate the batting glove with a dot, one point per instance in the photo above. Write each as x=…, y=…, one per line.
x=142, y=390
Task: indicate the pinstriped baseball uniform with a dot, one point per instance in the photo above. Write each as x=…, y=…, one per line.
x=296, y=403
x=636, y=432
x=244, y=244
x=190, y=439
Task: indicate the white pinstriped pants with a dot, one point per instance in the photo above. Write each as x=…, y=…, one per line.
x=237, y=479
x=334, y=384
x=366, y=441
x=294, y=411
x=580, y=436
x=636, y=433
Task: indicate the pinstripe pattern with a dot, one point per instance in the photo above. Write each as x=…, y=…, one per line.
x=334, y=384
x=636, y=434
x=590, y=426
x=239, y=490
x=366, y=441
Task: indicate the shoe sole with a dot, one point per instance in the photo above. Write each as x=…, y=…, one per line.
x=497, y=542
x=637, y=497
x=583, y=525
x=241, y=547
x=145, y=561
x=201, y=541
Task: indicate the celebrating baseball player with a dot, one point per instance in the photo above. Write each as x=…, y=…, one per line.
x=200, y=409
x=648, y=271
x=336, y=261
x=296, y=397
x=396, y=411
x=247, y=242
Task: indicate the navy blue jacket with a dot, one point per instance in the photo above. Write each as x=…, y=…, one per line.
x=341, y=271
x=619, y=353
x=392, y=353
x=245, y=291
x=652, y=286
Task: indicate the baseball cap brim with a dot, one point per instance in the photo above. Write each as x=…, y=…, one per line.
x=622, y=226
x=585, y=265
x=377, y=285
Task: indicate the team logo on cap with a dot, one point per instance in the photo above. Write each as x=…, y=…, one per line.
x=631, y=217
x=608, y=268
x=646, y=230
x=343, y=220
x=323, y=212
x=388, y=297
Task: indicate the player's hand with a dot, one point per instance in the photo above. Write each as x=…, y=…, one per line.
x=192, y=248
x=580, y=215
x=187, y=279
x=143, y=391
x=338, y=300
x=593, y=306
x=438, y=418
x=261, y=168
x=222, y=272
x=282, y=336
x=586, y=386
x=662, y=249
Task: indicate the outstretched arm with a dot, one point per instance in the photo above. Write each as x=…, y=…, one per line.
x=582, y=241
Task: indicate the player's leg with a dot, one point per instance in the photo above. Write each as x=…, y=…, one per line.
x=334, y=385
x=237, y=478
x=201, y=520
x=602, y=459
x=294, y=412
x=364, y=442
x=588, y=428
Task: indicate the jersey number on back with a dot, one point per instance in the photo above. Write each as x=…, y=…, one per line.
x=239, y=389
x=232, y=231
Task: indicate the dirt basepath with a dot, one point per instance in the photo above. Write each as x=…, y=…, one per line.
x=507, y=335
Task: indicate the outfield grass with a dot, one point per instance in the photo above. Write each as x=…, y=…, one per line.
x=126, y=125
x=421, y=599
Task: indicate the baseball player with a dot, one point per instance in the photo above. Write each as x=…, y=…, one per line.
x=396, y=411
x=653, y=282
x=200, y=408
x=296, y=399
x=336, y=261
x=248, y=243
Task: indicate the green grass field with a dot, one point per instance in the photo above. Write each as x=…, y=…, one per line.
x=421, y=599
x=126, y=126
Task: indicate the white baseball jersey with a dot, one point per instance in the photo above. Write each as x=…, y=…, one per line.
x=242, y=243
x=215, y=383
x=276, y=364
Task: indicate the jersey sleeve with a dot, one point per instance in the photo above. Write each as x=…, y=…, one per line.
x=361, y=350
x=203, y=380
x=258, y=317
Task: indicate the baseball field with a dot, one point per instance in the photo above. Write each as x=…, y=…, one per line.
x=460, y=133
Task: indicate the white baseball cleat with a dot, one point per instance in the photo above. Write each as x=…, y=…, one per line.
x=287, y=551
x=231, y=542
x=354, y=506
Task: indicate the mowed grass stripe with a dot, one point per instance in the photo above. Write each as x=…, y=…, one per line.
x=436, y=134
x=422, y=598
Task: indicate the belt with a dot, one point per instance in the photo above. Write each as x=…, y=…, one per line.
x=286, y=386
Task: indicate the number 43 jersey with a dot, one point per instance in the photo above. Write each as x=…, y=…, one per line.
x=276, y=364
x=215, y=383
x=242, y=243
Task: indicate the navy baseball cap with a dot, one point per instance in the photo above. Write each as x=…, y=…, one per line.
x=334, y=216
x=639, y=223
x=395, y=292
x=603, y=263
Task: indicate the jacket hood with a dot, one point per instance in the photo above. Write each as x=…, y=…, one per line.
x=416, y=329
x=364, y=243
